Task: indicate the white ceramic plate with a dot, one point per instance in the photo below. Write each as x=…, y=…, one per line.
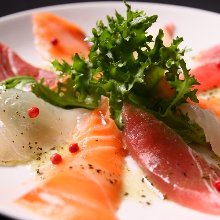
x=200, y=30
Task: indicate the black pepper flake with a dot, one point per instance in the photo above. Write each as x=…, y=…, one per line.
x=38, y=172
x=111, y=181
x=35, y=142
x=184, y=174
x=38, y=158
x=98, y=170
x=164, y=197
x=126, y=194
x=90, y=166
x=143, y=196
x=39, y=148
x=30, y=147
x=3, y=110
x=23, y=146
x=96, y=140
x=142, y=179
x=24, y=117
x=22, y=133
x=149, y=181
x=13, y=141
x=148, y=203
x=70, y=167
x=53, y=148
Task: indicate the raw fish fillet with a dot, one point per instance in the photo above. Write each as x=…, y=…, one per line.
x=181, y=174
x=208, y=75
x=56, y=38
x=13, y=65
x=86, y=185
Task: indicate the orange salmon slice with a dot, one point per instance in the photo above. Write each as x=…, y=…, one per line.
x=56, y=38
x=212, y=104
x=88, y=184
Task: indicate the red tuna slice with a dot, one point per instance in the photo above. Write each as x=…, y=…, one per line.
x=208, y=75
x=12, y=65
x=173, y=167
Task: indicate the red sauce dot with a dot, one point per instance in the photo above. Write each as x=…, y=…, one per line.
x=54, y=41
x=73, y=148
x=217, y=185
x=33, y=112
x=56, y=158
x=218, y=64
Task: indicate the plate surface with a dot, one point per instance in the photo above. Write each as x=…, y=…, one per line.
x=200, y=30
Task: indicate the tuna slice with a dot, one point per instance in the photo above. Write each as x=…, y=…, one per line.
x=208, y=75
x=173, y=167
x=12, y=65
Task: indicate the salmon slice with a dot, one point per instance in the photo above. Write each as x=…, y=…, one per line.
x=86, y=185
x=212, y=104
x=168, y=31
x=13, y=65
x=56, y=38
x=181, y=174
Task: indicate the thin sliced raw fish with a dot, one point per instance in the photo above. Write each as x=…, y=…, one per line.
x=86, y=185
x=205, y=115
x=56, y=38
x=13, y=65
x=208, y=75
x=212, y=104
x=208, y=55
x=168, y=30
x=173, y=167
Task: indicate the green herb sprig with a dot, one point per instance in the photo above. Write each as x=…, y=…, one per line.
x=126, y=64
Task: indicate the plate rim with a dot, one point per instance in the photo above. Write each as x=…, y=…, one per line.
x=93, y=4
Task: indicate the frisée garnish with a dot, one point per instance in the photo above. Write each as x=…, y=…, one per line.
x=126, y=64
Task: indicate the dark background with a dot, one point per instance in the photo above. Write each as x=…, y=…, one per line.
x=12, y=6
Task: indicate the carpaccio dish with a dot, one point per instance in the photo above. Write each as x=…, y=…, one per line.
x=122, y=92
